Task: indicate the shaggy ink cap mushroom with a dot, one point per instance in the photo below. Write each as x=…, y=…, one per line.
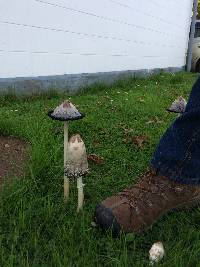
x=66, y=112
x=77, y=164
x=178, y=106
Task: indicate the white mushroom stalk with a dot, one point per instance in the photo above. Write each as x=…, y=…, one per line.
x=178, y=106
x=80, y=186
x=66, y=112
x=77, y=165
x=66, y=179
x=156, y=253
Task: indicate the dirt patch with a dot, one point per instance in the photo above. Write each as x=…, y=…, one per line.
x=13, y=155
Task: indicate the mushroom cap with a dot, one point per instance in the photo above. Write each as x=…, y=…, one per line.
x=178, y=106
x=156, y=253
x=66, y=112
x=76, y=164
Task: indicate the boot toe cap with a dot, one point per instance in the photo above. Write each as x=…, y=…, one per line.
x=106, y=220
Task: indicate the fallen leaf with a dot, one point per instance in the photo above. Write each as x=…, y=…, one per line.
x=155, y=120
x=149, y=122
x=125, y=128
x=7, y=145
x=126, y=140
x=139, y=140
x=95, y=158
x=97, y=142
x=128, y=130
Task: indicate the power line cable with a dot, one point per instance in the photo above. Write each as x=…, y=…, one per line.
x=85, y=34
x=103, y=17
x=144, y=13
x=82, y=54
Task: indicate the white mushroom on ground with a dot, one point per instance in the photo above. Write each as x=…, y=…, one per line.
x=156, y=253
x=178, y=106
x=77, y=165
x=66, y=112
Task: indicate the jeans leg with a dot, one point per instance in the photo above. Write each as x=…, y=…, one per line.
x=178, y=153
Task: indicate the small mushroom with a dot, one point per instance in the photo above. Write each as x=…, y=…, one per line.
x=77, y=165
x=65, y=112
x=156, y=253
x=178, y=106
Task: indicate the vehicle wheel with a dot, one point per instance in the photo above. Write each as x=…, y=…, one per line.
x=197, y=68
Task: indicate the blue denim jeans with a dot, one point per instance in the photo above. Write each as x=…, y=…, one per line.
x=178, y=153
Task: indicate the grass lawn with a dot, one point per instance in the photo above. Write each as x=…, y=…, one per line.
x=123, y=124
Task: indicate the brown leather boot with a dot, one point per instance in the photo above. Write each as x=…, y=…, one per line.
x=139, y=206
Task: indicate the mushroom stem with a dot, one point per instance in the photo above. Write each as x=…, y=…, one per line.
x=80, y=186
x=66, y=179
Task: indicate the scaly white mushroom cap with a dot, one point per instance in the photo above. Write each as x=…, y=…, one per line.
x=156, y=253
x=77, y=164
x=66, y=110
x=178, y=105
